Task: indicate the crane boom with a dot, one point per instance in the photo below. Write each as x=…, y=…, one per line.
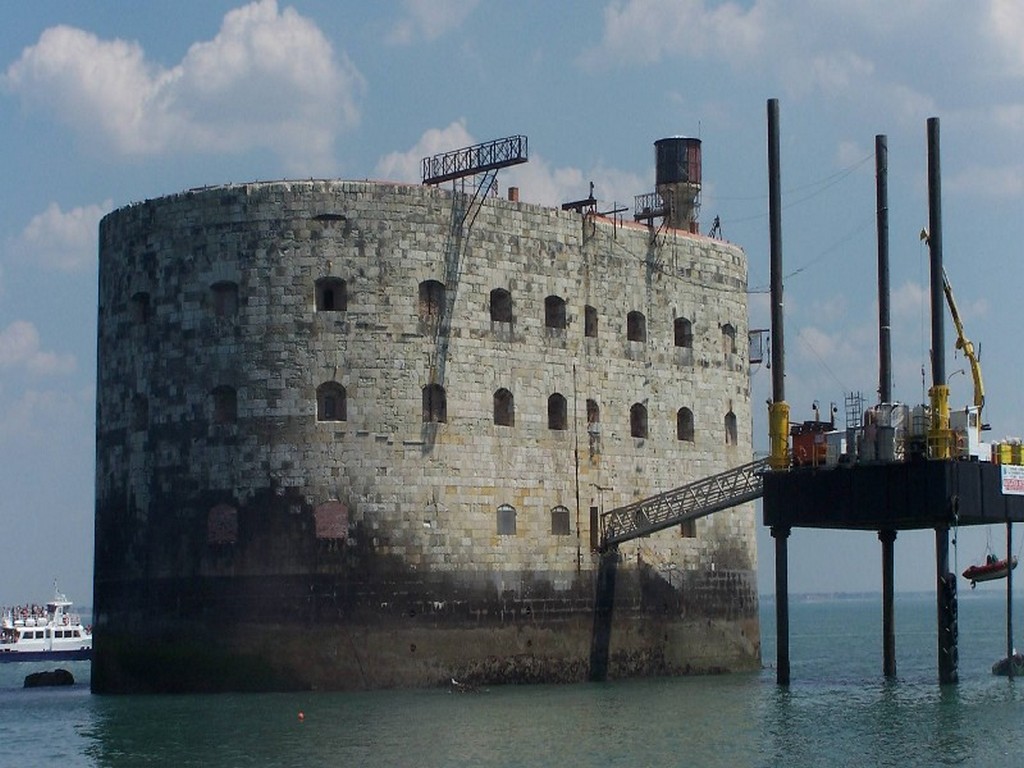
x=963, y=343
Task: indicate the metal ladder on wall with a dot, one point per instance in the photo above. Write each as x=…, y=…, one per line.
x=465, y=208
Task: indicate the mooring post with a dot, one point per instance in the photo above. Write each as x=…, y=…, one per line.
x=781, y=536
x=604, y=607
x=888, y=538
x=946, y=598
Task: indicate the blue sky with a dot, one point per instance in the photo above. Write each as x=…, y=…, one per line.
x=103, y=104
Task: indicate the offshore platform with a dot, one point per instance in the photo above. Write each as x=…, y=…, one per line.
x=895, y=467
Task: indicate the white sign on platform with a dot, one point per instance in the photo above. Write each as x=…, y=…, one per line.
x=1013, y=480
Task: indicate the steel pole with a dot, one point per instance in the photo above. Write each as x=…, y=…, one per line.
x=882, y=225
x=888, y=539
x=781, y=536
x=1009, y=597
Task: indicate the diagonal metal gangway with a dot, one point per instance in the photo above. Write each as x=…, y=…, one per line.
x=697, y=499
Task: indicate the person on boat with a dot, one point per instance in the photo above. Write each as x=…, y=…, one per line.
x=991, y=559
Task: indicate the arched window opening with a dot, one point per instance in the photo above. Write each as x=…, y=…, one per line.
x=636, y=326
x=638, y=420
x=557, y=417
x=139, y=308
x=506, y=520
x=225, y=298
x=684, y=425
x=554, y=312
x=331, y=295
x=560, y=524
x=331, y=402
x=222, y=524
x=435, y=404
x=731, y=437
x=729, y=339
x=688, y=529
x=683, y=333
x=593, y=416
x=504, y=408
x=431, y=301
x=501, y=306
x=140, y=413
x=590, y=322
x=225, y=405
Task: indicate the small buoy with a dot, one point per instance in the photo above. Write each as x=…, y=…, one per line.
x=302, y=716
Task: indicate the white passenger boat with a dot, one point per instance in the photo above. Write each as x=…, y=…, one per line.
x=43, y=633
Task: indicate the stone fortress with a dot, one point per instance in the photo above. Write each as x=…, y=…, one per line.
x=334, y=452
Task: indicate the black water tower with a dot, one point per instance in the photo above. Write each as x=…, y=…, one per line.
x=677, y=180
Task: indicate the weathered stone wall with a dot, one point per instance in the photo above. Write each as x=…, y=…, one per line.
x=214, y=469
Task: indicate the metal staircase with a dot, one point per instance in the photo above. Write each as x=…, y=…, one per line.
x=697, y=499
x=481, y=163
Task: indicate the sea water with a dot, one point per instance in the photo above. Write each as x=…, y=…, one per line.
x=837, y=711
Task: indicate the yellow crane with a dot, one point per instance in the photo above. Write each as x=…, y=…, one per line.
x=964, y=344
x=940, y=436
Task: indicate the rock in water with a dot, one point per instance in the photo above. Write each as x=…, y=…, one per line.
x=53, y=677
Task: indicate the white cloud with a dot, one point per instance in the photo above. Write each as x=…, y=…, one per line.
x=839, y=70
x=909, y=301
x=19, y=348
x=62, y=240
x=645, y=31
x=1001, y=182
x=539, y=183
x=429, y=19
x=268, y=79
x=850, y=153
x=839, y=361
x=1005, y=23
x=33, y=415
x=841, y=51
x=405, y=166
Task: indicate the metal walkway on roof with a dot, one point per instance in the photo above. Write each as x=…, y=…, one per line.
x=697, y=499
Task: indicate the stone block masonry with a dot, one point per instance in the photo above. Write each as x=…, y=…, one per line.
x=340, y=446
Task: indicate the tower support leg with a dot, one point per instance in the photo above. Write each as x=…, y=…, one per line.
x=781, y=536
x=947, y=609
x=888, y=539
x=1009, y=598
